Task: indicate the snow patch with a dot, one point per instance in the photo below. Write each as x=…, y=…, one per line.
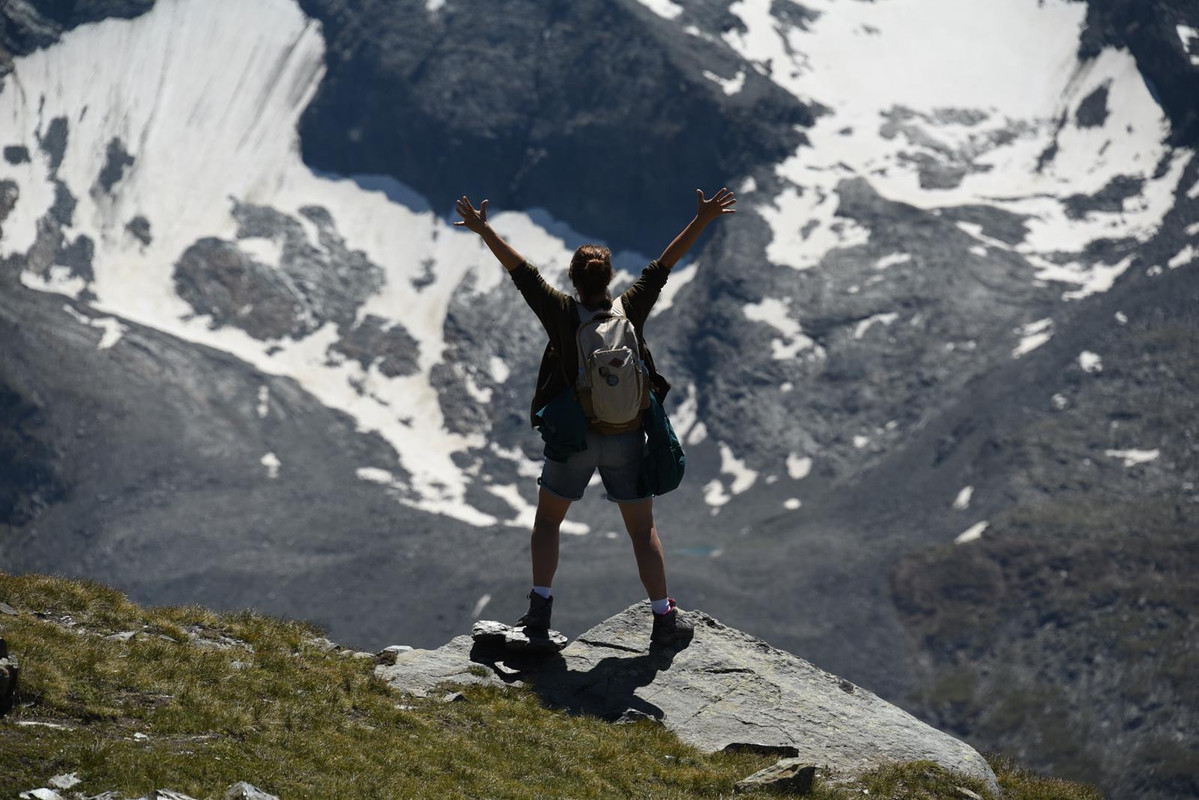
x=480, y=604
x=1090, y=362
x=730, y=85
x=776, y=313
x=973, y=533
x=892, y=260
x=860, y=441
x=962, y=501
x=263, y=250
x=525, y=466
x=375, y=475
x=113, y=330
x=798, y=468
x=264, y=401
x=679, y=277
x=1034, y=334
x=663, y=8
x=1185, y=256
x=1133, y=457
x=272, y=464
x=686, y=412
x=1187, y=35
x=743, y=477
x=59, y=281
x=1121, y=318
x=498, y=369
x=883, y=319
x=792, y=503
x=715, y=494
x=525, y=512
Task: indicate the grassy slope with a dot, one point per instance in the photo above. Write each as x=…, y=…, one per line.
x=299, y=722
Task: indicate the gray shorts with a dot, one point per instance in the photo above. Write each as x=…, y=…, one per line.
x=619, y=458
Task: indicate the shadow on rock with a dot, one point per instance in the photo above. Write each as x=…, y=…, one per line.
x=607, y=690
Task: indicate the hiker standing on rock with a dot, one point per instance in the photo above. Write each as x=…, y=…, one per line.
x=597, y=390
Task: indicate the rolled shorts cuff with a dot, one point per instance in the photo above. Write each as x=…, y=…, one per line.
x=618, y=500
x=541, y=482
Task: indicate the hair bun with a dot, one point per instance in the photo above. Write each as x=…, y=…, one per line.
x=591, y=270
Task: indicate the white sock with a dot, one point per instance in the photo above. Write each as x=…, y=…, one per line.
x=661, y=606
x=544, y=591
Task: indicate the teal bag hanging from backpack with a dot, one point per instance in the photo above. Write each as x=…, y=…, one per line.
x=664, y=461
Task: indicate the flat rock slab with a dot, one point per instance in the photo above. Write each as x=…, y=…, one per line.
x=724, y=689
x=490, y=632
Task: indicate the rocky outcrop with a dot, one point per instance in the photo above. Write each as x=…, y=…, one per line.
x=724, y=690
x=238, y=791
x=399, y=100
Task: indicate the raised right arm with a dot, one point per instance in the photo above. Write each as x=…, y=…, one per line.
x=707, y=210
x=476, y=220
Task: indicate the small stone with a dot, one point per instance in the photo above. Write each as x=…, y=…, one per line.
x=453, y=697
x=787, y=775
x=167, y=794
x=123, y=636
x=247, y=791
x=322, y=644
x=387, y=656
x=632, y=715
x=65, y=780
x=139, y=736
x=5, y=608
x=967, y=794
x=40, y=794
x=505, y=670
x=240, y=664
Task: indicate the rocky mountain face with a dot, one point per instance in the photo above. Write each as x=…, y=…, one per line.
x=941, y=354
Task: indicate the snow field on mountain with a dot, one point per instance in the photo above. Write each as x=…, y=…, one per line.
x=206, y=99
x=985, y=87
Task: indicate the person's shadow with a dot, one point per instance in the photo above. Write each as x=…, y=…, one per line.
x=606, y=690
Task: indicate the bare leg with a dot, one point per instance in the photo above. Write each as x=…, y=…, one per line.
x=651, y=565
x=543, y=545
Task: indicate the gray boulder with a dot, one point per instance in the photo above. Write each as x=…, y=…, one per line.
x=725, y=689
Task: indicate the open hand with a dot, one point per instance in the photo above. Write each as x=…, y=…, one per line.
x=720, y=203
x=472, y=218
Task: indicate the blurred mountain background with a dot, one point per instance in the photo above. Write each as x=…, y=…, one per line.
x=936, y=379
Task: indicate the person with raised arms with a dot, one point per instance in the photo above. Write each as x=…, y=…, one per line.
x=596, y=391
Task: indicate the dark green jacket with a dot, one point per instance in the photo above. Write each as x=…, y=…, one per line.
x=558, y=316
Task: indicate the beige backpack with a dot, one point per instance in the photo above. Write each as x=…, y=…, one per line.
x=613, y=382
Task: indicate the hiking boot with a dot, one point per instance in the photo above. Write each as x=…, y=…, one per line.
x=536, y=621
x=670, y=629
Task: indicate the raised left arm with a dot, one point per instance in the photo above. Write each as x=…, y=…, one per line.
x=476, y=220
